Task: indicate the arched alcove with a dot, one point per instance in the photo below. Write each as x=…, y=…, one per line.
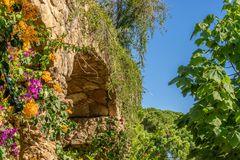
x=87, y=88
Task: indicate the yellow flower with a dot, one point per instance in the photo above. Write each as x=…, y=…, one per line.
x=1, y=121
x=51, y=57
x=57, y=88
x=46, y=76
x=26, y=46
x=64, y=128
x=31, y=109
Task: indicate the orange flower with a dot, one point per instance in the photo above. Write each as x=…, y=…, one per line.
x=51, y=57
x=30, y=110
x=57, y=88
x=30, y=11
x=8, y=4
x=10, y=109
x=5, y=99
x=22, y=25
x=29, y=34
x=69, y=111
x=64, y=128
x=46, y=76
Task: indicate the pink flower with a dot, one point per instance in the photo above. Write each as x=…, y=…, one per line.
x=1, y=108
x=34, y=87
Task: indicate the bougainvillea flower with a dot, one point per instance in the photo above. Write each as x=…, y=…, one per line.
x=14, y=150
x=30, y=110
x=34, y=87
x=7, y=134
x=46, y=76
x=28, y=53
x=1, y=108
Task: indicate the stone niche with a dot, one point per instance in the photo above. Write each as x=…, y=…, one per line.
x=87, y=88
x=91, y=102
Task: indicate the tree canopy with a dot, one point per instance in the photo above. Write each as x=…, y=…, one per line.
x=158, y=136
x=212, y=77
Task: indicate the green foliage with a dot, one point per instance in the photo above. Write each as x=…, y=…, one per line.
x=56, y=118
x=135, y=20
x=27, y=99
x=212, y=77
x=158, y=137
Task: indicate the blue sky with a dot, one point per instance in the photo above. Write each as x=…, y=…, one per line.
x=172, y=48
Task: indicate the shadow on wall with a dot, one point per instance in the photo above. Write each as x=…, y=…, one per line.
x=87, y=88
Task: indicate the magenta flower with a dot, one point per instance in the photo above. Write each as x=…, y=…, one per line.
x=34, y=87
x=7, y=134
x=1, y=108
x=14, y=151
x=28, y=53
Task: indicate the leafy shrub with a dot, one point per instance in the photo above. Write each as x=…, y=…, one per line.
x=27, y=90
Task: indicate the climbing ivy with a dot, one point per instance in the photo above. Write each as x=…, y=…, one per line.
x=135, y=21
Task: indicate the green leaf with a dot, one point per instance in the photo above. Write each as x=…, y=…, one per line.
x=238, y=119
x=200, y=41
x=214, y=120
x=235, y=139
x=217, y=96
x=173, y=81
x=21, y=71
x=217, y=131
x=213, y=74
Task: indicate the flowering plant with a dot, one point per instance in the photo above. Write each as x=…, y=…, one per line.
x=27, y=89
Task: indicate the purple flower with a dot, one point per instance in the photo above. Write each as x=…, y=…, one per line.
x=28, y=53
x=14, y=151
x=34, y=87
x=6, y=135
x=1, y=108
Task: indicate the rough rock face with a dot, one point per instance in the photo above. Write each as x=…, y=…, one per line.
x=83, y=78
x=87, y=88
x=88, y=127
x=35, y=147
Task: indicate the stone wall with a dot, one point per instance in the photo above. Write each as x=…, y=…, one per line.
x=83, y=78
x=87, y=88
